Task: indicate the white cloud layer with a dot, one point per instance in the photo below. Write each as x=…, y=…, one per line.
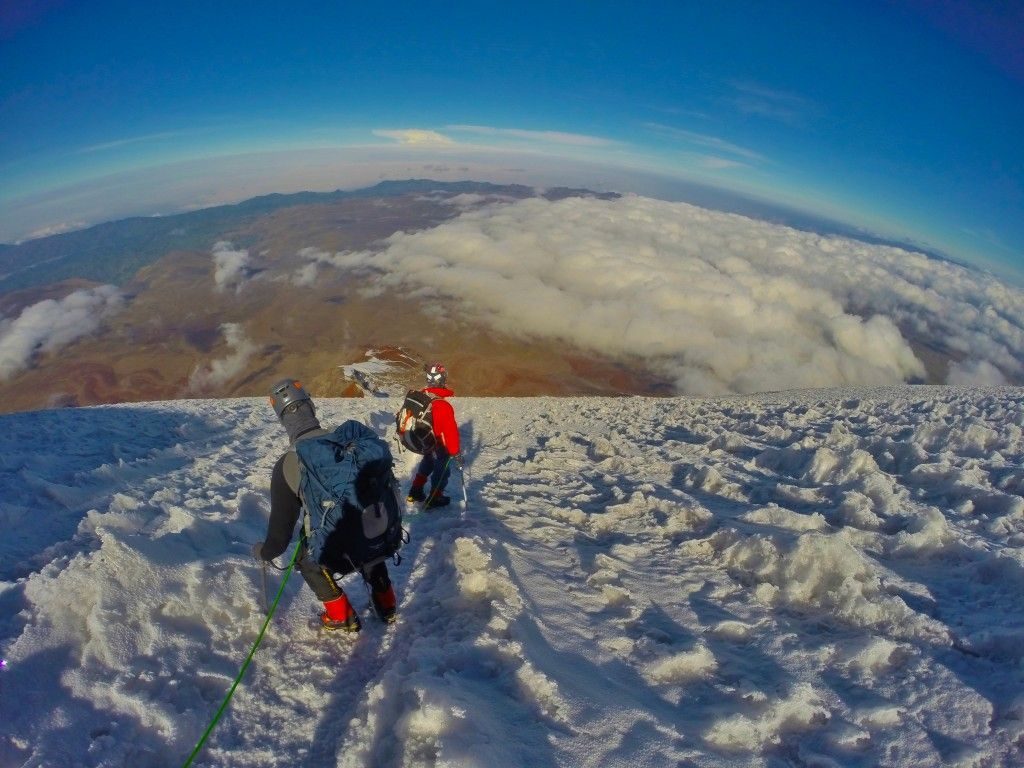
x=56, y=229
x=51, y=324
x=718, y=302
x=550, y=137
x=416, y=137
x=975, y=373
x=305, y=276
x=708, y=142
x=230, y=267
x=217, y=372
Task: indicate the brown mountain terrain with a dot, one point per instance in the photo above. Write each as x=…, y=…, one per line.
x=171, y=339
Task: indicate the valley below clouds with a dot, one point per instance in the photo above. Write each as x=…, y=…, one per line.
x=520, y=292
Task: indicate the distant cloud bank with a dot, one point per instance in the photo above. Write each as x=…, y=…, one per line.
x=718, y=302
x=56, y=229
x=230, y=266
x=550, y=137
x=54, y=323
x=416, y=137
x=215, y=373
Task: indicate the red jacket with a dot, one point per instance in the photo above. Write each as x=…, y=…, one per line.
x=443, y=415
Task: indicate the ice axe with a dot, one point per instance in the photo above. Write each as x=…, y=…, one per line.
x=263, y=581
x=257, y=552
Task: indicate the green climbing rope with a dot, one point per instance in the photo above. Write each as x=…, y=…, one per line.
x=248, y=659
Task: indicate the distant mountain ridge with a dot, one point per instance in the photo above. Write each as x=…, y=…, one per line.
x=112, y=252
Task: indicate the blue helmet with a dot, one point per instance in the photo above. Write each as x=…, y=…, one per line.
x=287, y=392
x=437, y=375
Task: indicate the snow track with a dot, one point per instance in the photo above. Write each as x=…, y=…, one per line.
x=801, y=578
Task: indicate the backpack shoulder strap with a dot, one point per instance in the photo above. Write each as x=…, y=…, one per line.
x=292, y=466
x=421, y=397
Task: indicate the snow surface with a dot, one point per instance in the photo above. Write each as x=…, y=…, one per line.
x=820, y=578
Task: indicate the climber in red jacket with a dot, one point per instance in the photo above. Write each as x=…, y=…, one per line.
x=436, y=463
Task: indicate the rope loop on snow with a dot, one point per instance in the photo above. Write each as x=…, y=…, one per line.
x=248, y=659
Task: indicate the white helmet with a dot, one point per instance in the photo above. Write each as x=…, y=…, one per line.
x=437, y=375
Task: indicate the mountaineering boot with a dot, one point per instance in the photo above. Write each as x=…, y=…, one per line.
x=439, y=500
x=416, y=493
x=339, y=614
x=384, y=603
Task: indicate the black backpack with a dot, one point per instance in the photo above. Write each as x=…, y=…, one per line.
x=350, y=496
x=414, y=422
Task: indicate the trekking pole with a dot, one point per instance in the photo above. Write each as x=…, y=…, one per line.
x=462, y=479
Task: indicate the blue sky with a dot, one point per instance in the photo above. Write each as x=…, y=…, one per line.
x=904, y=118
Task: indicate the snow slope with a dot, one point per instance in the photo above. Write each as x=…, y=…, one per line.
x=810, y=578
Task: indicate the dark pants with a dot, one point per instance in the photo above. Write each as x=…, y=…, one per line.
x=437, y=467
x=325, y=586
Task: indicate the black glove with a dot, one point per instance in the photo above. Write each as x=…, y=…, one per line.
x=257, y=551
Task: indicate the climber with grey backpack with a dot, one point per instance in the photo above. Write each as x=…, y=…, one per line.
x=342, y=484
